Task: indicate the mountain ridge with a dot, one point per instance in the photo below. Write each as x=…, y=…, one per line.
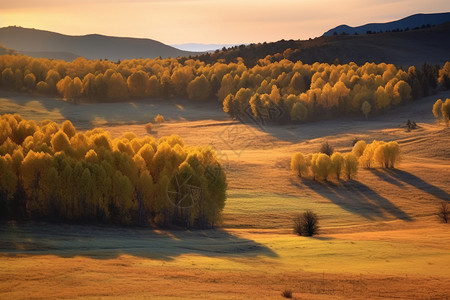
x=50, y=44
x=407, y=23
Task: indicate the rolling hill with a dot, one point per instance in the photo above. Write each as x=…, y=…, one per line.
x=411, y=22
x=413, y=47
x=40, y=43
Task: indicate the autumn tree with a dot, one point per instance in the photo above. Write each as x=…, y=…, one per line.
x=365, y=108
x=350, y=165
x=159, y=119
x=446, y=111
x=337, y=163
x=437, y=110
x=199, y=89
x=299, y=164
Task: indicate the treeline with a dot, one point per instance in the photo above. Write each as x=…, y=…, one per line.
x=322, y=166
x=441, y=111
x=275, y=89
x=53, y=172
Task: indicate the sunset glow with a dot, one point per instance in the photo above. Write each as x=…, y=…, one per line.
x=204, y=21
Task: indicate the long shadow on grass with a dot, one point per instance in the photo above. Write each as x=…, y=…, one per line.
x=417, y=182
x=356, y=198
x=109, y=242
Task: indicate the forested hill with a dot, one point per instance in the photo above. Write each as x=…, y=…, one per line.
x=4, y=50
x=408, y=48
x=411, y=22
x=46, y=44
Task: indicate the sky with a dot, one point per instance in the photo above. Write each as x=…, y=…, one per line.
x=207, y=21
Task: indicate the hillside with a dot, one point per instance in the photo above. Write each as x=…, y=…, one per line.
x=410, y=22
x=4, y=50
x=40, y=43
x=413, y=47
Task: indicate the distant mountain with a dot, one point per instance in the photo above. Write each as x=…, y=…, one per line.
x=40, y=43
x=408, y=23
x=202, y=47
x=414, y=47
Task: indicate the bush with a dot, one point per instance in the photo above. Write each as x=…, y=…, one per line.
x=326, y=148
x=306, y=224
x=444, y=212
x=149, y=127
x=287, y=294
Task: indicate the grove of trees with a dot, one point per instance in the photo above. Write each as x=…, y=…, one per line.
x=54, y=172
x=321, y=166
x=297, y=92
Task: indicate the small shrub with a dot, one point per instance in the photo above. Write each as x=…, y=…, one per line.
x=326, y=148
x=149, y=127
x=306, y=224
x=159, y=119
x=444, y=212
x=287, y=294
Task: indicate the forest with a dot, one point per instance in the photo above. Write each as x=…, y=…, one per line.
x=54, y=172
x=297, y=92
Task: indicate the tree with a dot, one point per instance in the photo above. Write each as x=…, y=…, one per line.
x=365, y=108
x=159, y=119
x=326, y=148
x=402, y=92
x=117, y=87
x=30, y=81
x=299, y=164
x=60, y=141
x=323, y=164
x=446, y=111
x=306, y=224
x=199, y=89
x=137, y=84
x=7, y=78
x=337, y=163
x=299, y=112
x=358, y=148
x=350, y=165
x=437, y=110
x=275, y=95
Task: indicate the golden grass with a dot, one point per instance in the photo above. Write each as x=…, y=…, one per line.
x=379, y=235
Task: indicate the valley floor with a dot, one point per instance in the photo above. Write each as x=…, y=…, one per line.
x=379, y=238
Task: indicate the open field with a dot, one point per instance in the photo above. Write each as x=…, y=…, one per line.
x=379, y=238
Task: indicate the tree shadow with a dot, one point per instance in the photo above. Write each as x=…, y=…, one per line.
x=419, y=183
x=97, y=242
x=357, y=198
x=386, y=177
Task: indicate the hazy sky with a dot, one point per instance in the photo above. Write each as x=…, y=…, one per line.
x=207, y=21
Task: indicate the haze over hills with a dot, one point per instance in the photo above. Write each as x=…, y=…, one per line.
x=198, y=47
x=408, y=23
x=40, y=43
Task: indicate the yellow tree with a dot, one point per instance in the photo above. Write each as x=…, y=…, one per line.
x=299, y=164
x=159, y=119
x=337, y=163
x=199, y=89
x=350, y=165
x=437, y=110
x=137, y=84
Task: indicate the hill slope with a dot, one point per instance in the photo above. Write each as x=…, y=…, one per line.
x=413, y=47
x=40, y=43
x=411, y=22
